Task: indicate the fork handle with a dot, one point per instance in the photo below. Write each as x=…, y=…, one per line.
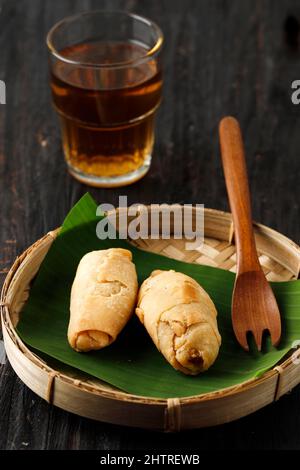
x=235, y=171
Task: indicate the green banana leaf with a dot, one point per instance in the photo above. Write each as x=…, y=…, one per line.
x=133, y=363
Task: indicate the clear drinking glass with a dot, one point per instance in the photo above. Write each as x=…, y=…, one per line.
x=106, y=85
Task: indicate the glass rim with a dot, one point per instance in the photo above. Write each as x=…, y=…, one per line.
x=150, y=53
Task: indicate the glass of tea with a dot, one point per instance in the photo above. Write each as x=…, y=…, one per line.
x=106, y=86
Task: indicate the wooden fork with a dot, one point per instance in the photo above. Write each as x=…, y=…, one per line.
x=254, y=307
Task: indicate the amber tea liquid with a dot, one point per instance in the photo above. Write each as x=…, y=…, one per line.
x=107, y=115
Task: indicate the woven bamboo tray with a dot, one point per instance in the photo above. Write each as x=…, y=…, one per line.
x=91, y=398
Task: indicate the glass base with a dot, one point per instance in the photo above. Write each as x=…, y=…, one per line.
x=110, y=181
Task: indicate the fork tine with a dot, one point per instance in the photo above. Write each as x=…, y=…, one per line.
x=275, y=336
x=241, y=336
x=258, y=338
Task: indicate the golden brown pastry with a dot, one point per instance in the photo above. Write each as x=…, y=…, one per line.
x=181, y=319
x=102, y=298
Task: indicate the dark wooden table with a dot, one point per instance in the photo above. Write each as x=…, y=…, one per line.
x=221, y=56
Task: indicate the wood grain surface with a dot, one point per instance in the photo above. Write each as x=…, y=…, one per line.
x=221, y=57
